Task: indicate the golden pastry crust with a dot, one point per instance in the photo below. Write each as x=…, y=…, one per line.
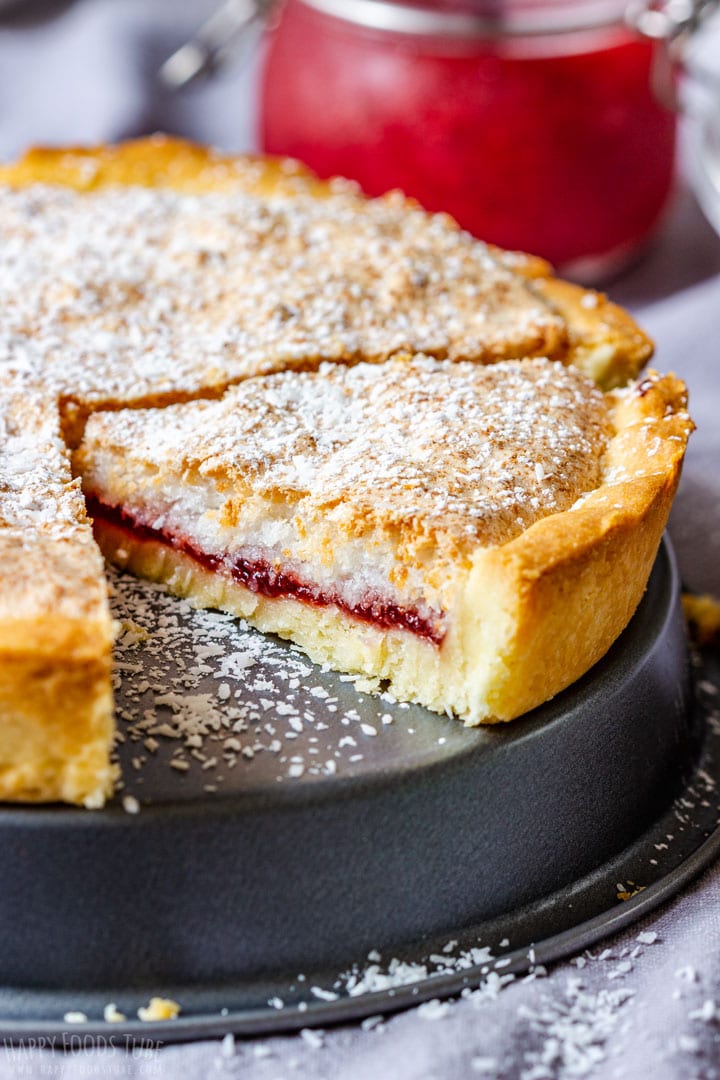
x=572, y=582
x=520, y=591
x=605, y=341
x=163, y=161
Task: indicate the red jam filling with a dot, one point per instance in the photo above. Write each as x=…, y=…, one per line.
x=261, y=576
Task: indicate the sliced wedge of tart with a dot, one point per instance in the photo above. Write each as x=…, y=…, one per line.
x=56, y=709
x=476, y=536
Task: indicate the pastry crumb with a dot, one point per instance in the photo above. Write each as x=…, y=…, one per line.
x=130, y=633
x=227, y=1046
x=159, y=1009
x=112, y=1015
x=627, y=891
x=130, y=804
x=702, y=614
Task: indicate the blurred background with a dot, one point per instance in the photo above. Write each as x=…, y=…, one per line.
x=546, y=125
x=86, y=71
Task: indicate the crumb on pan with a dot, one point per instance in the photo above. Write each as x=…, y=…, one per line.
x=75, y=1017
x=627, y=891
x=159, y=1009
x=112, y=1015
x=703, y=617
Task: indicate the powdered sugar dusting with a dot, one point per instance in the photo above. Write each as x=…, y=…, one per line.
x=123, y=292
x=50, y=562
x=434, y=456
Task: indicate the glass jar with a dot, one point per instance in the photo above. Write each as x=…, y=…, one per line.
x=533, y=122
x=546, y=125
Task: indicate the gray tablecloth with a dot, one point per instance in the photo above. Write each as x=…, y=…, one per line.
x=646, y=1003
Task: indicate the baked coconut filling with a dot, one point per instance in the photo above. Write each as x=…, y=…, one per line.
x=366, y=492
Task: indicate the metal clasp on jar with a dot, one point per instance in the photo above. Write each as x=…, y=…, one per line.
x=673, y=24
x=669, y=22
x=219, y=37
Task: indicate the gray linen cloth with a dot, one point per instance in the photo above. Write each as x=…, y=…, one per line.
x=633, y=1008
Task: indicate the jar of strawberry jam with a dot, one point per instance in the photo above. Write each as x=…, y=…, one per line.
x=543, y=125
x=533, y=122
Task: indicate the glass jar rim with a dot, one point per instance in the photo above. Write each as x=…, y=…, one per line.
x=475, y=18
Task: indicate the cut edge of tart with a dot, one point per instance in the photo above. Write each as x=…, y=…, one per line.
x=56, y=700
x=56, y=632
x=484, y=614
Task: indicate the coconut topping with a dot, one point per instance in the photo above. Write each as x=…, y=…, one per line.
x=50, y=561
x=36, y=486
x=125, y=292
x=431, y=456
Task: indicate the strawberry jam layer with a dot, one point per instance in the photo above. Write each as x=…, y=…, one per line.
x=261, y=576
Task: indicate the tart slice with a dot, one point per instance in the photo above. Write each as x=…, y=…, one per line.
x=56, y=714
x=476, y=536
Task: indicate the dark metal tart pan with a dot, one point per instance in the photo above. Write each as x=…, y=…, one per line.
x=429, y=834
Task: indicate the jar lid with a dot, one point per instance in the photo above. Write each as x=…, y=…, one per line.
x=474, y=18
x=688, y=29
x=234, y=20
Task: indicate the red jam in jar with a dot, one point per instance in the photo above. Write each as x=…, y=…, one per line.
x=534, y=124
